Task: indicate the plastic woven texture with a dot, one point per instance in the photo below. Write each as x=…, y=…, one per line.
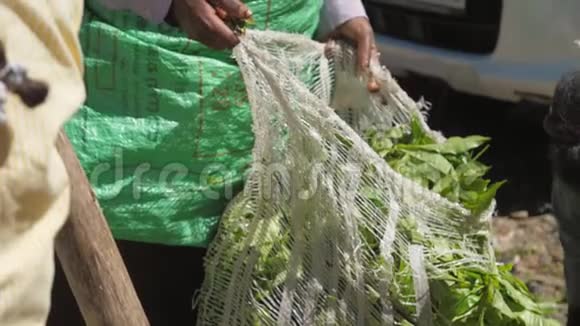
x=165, y=136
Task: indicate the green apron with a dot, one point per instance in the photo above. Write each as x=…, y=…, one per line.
x=165, y=135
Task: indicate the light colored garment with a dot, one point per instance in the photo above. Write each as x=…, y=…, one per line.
x=40, y=35
x=334, y=12
x=337, y=12
x=154, y=11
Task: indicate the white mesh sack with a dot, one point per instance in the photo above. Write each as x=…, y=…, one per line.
x=326, y=232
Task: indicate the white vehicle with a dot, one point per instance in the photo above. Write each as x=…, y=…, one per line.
x=510, y=50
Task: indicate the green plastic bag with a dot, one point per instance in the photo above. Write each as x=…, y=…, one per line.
x=165, y=136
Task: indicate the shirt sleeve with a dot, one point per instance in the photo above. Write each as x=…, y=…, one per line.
x=154, y=11
x=337, y=12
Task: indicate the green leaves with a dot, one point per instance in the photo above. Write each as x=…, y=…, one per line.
x=453, y=145
x=464, y=296
x=436, y=161
x=475, y=297
x=419, y=135
x=450, y=168
x=461, y=296
x=479, y=202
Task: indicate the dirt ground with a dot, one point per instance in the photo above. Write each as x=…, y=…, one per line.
x=532, y=245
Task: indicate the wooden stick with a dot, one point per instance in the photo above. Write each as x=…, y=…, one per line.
x=90, y=258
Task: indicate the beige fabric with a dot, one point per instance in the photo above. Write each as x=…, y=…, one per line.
x=41, y=35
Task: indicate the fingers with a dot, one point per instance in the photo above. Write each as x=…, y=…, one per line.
x=359, y=31
x=222, y=14
x=367, y=51
x=202, y=23
x=373, y=86
x=233, y=8
x=223, y=37
x=329, y=49
x=364, y=50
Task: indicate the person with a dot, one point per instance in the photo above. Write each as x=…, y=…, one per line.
x=38, y=38
x=562, y=124
x=345, y=19
x=34, y=189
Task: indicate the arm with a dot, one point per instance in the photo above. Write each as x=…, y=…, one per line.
x=154, y=11
x=197, y=18
x=347, y=19
x=337, y=12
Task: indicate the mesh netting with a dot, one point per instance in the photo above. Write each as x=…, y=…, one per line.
x=326, y=232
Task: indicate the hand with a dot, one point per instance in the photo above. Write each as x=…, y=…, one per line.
x=359, y=31
x=204, y=21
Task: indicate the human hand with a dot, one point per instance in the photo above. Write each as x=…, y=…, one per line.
x=359, y=31
x=203, y=20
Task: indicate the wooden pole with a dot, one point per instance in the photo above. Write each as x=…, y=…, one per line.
x=90, y=258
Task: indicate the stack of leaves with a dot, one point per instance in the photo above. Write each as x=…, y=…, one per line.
x=459, y=297
x=450, y=169
x=453, y=170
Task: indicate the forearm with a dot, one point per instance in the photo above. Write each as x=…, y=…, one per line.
x=336, y=12
x=154, y=11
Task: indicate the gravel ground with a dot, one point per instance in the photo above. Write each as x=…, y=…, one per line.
x=532, y=245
